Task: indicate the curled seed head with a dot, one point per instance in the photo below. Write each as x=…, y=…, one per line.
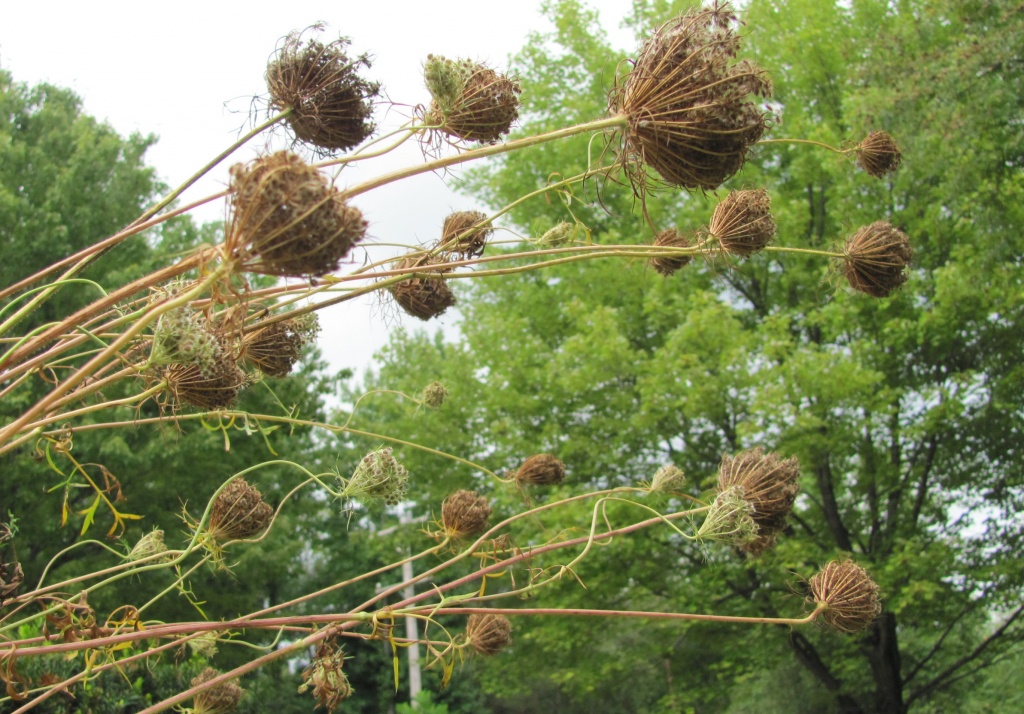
x=216, y=387
x=150, y=544
x=331, y=105
x=464, y=514
x=688, y=102
x=668, y=264
x=469, y=100
x=668, y=478
x=557, y=236
x=730, y=519
x=423, y=297
x=769, y=484
x=875, y=259
x=742, y=223
x=378, y=476
x=878, y=154
x=288, y=220
x=218, y=699
x=849, y=595
x=434, y=395
x=239, y=512
x=488, y=634
x=540, y=470
x=325, y=676
x=275, y=348
x=465, y=234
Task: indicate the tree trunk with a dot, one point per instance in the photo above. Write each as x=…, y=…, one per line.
x=883, y=653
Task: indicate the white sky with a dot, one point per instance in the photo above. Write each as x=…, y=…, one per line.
x=188, y=71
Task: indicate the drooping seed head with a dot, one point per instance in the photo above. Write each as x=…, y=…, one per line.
x=668, y=264
x=331, y=105
x=464, y=514
x=239, y=512
x=879, y=154
x=325, y=676
x=488, y=634
x=769, y=484
x=424, y=296
x=850, y=596
x=875, y=259
x=275, y=348
x=220, y=698
x=540, y=470
x=742, y=224
x=287, y=219
x=470, y=100
x=688, y=102
x=378, y=476
x=668, y=478
x=465, y=234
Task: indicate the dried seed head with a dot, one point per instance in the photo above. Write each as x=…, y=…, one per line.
x=287, y=219
x=875, y=257
x=730, y=519
x=541, y=470
x=325, y=676
x=465, y=234
x=149, y=545
x=849, y=594
x=691, y=117
x=331, y=105
x=878, y=154
x=668, y=264
x=185, y=336
x=434, y=395
x=218, y=699
x=668, y=478
x=488, y=634
x=742, y=223
x=205, y=645
x=464, y=514
x=469, y=100
x=769, y=484
x=423, y=297
x=217, y=388
x=378, y=476
x=276, y=348
x=239, y=512
x=556, y=237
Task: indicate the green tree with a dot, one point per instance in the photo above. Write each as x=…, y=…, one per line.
x=905, y=412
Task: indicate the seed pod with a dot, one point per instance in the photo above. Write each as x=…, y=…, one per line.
x=218, y=699
x=239, y=512
x=742, y=223
x=331, y=105
x=469, y=100
x=691, y=117
x=849, y=594
x=769, y=484
x=287, y=220
x=878, y=154
x=464, y=514
x=668, y=264
x=541, y=470
x=423, y=297
x=875, y=259
x=488, y=634
x=465, y=234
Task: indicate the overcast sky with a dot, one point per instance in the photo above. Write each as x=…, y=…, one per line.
x=188, y=71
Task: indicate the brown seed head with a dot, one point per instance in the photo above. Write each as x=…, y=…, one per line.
x=668, y=264
x=742, y=223
x=239, y=512
x=469, y=100
x=218, y=699
x=875, y=258
x=288, y=220
x=489, y=634
x=691, y=117
x=464, y=514
x=878, y=154
x=849, y=594
x=331, y=105
x=276, y=348
x=541, y=470
x=423, y=297
x=769, y=484
x=215, y=387
x=465, y=234
x=325, y=676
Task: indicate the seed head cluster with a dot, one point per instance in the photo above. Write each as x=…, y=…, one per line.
x=239, y=512
x=465, y=234
x=875, y=259
x=849, y=595
x=220, y=698
x=424, y=296
x=488, y=634
x=769, y=484
x=879, y=154
x=688, y=101
x=540, y=470
x=469, y=100
x=742, y=224
x=378, y=476
x=275, y=348
x=464, y=514
x=325, y=676
x=208, y=387
x=331, y=105
x=287, y=220
x=668, y=264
